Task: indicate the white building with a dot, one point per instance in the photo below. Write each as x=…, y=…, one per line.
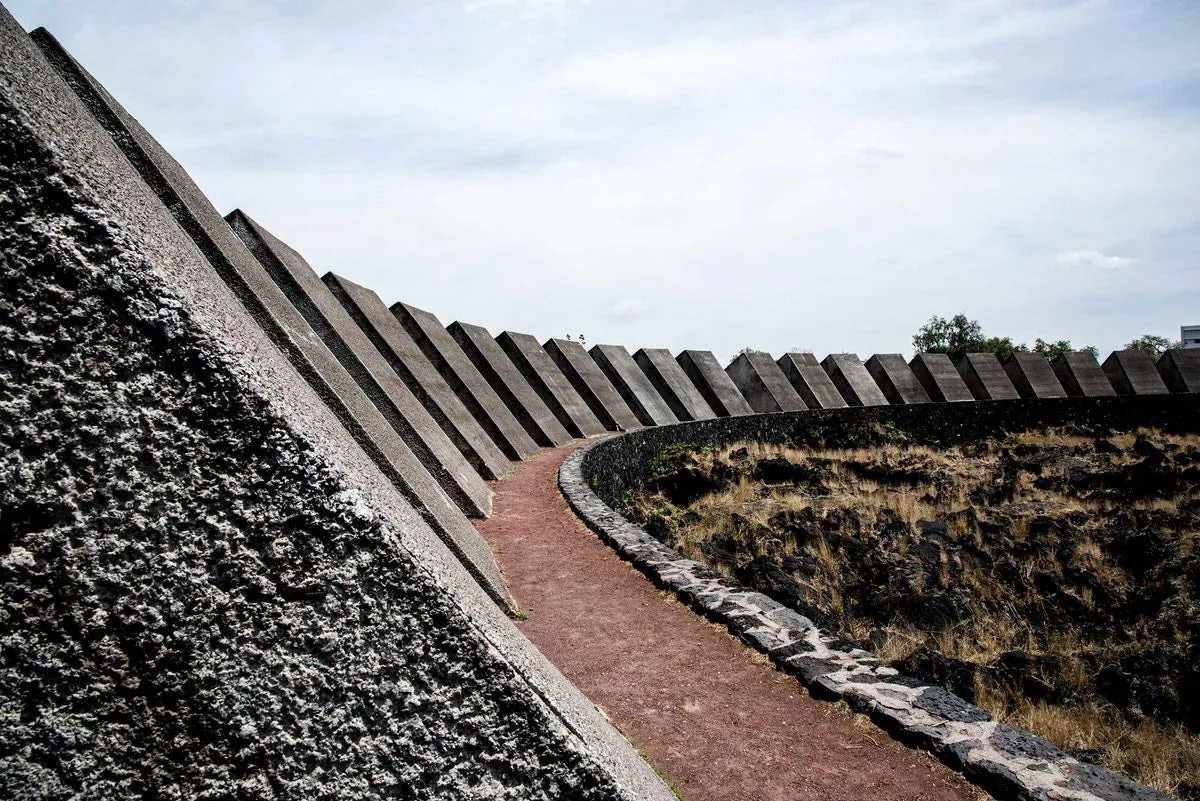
x=1189, y=335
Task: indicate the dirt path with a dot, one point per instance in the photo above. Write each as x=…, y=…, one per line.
x=712, y=716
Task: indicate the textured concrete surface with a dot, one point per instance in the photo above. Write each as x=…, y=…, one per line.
x=280, y=320
x=763, y=384
x=810, y=381
x=803, y=359
x=896, y=379
x=852, y=380
x=550, y=384
x=207, y=589
x=985, y=377
x=1081, y=376
x=632, y=385
x=467, y=382
x=673, y=384
x=494, y=365
x=1180, y=369
x=422, y=379
x=1132, y=372
x=300, y=283
x=1032, y=376
x=941, y=380
x=713, y=383
x=592, y=384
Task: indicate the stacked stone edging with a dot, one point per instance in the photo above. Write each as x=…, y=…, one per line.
x=1006, y=761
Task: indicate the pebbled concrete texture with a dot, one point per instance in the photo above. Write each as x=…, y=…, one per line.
x=941, y=380
x=1180, y=369
x=592, y=384
x=852, y=380
x=423, y=381
x=466, y=381
x=763, y=384
x=985, y=377
x=279, y=319
x=1081, y=376
x=632, y=385
x=550, y=384
x=1006, y=761
x=673, y=384
x=1032, y=376
x=896, y=379
x=1132, y=372
x=810, y=381
x=299, y=282
x=498, y=370
x=207, y=589
x=713, y=383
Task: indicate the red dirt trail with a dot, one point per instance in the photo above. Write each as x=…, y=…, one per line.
x=711, y=715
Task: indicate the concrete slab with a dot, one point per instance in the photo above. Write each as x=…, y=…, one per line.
x=713, y=383
x=250, y=527
x=1080, y=375
x=896, y=379
x=940, y=379
x=632, y=385
x=550, y=384
x=366, y=365
x=520, y=398
x=1132, y=372
x=467, y=382
x=852, y=380
x=278, y=318
x=1179, y=369
x=985, y=377
x=1032, y=376
x=802, y=359
x=423, y=381
x=592, y=384
x=673, y=384
x=763, y=384
x=810, y=381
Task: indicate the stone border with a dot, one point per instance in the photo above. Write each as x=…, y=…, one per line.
x=1004, y=760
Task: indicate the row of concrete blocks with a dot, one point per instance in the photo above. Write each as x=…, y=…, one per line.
x=798, y=381
x=443, y=410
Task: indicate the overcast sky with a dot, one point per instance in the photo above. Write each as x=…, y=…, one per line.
x=707, y=175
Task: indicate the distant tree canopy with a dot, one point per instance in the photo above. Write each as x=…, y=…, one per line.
x=960, y=335
x=1151, y=345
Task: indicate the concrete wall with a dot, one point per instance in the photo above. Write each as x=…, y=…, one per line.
x=219, y=592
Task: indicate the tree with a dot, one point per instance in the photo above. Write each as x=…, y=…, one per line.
x=1001, y=346
x=955, y=336
x=960, y=335
x=1153, y=346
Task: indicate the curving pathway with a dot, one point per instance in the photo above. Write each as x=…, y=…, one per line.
x=712, y=716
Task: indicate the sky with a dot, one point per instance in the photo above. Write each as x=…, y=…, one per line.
x=695, y=174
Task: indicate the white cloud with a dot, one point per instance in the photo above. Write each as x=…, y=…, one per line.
x=1092, y=259
x=832, y=174
x=528, y=8
x=627, y=309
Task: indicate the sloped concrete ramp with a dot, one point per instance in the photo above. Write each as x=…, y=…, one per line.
x=208, y=589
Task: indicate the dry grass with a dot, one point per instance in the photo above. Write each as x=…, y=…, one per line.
x=938, y=485
x=1159, y=755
